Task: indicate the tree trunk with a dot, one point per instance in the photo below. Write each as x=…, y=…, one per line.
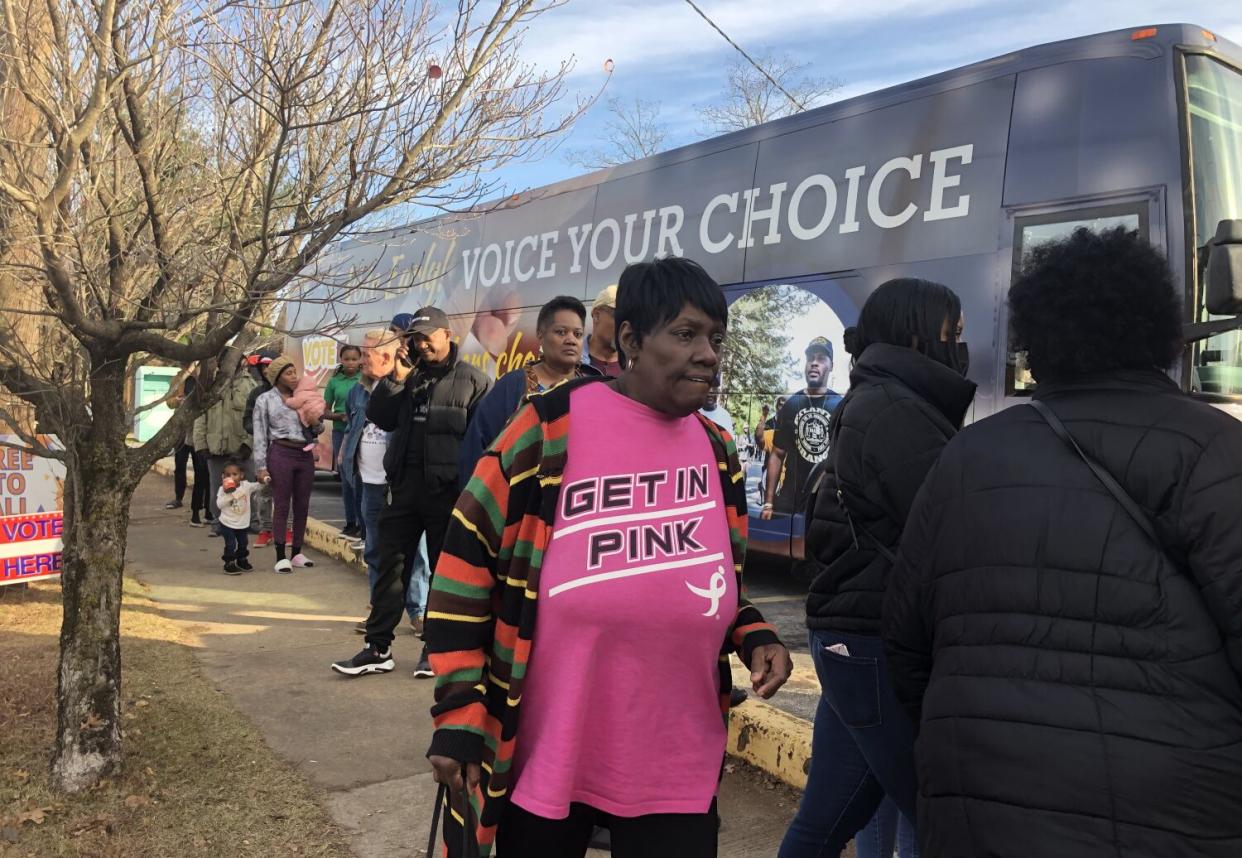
x=98, y=490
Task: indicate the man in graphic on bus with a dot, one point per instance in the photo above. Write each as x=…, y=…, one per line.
x=801, y=438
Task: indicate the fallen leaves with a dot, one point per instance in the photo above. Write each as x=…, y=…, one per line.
x=135, y=801
x=33, y=814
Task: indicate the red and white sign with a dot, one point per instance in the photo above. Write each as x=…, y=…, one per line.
x=31, y=522
x=30, y=547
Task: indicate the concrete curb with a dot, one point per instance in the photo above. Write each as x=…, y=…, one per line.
x=760, y=734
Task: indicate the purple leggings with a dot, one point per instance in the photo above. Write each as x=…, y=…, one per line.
x=293, y=477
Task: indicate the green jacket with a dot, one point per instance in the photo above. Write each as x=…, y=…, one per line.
x=220, y=430
x=335, y=393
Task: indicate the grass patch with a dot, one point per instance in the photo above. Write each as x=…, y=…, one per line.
x=197, y=777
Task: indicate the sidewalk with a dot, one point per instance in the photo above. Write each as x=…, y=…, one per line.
x=267, y=641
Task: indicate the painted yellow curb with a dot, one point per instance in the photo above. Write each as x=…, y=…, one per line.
x=759, y=733
x=771, y=740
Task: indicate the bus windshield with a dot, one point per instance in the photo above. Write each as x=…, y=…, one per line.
x=1215, y=94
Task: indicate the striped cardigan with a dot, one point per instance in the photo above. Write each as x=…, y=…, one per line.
x=484, y=595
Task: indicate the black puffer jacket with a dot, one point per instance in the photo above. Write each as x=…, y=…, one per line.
x=456, y=390
x=901, y=410
x=1078, y=688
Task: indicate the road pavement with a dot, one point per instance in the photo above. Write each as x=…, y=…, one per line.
x=267, y=641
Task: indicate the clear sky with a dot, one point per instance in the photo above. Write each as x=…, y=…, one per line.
x=664, y=52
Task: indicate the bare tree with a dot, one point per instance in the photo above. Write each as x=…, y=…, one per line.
x=633, y=131
x=751, y=98
x=189, y=159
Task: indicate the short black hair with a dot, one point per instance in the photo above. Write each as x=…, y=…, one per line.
x=1095, y=303
x=561, y=302
x=235, y=463
x=900, y=310
x=651, y=294
x=350, y=347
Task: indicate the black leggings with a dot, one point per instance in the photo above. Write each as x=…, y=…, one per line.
x=184, y=455
x=522, y=834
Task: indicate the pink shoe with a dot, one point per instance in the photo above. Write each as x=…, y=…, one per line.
x=301, y=561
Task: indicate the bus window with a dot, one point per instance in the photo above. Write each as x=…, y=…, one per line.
x=1034, y=231
x=1215, y=94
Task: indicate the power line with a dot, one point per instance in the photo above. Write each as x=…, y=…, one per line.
x=748, y=57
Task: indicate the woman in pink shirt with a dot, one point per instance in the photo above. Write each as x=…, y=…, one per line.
x=619, y=513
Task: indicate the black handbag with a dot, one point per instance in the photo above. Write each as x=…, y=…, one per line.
x=1114, y=488
x=469, y=847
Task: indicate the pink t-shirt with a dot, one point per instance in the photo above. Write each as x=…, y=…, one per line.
x=621, y=707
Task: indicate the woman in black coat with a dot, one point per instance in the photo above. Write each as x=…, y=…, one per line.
x=1077, y=683
x=908, y=396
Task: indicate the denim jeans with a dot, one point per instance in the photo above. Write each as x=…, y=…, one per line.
x=887, y=830
x=373, y=498
x=236, y=543
x=862, y=748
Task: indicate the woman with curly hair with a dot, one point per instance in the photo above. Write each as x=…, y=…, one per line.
x=1064, y=622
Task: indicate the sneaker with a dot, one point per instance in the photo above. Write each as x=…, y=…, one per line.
x=301, y=561
x=370, y=660
x=215, y=530
x=244, y=565
x=351, y=530
x=195, y=521
x=173, y=504
x=737, y=697
x=231, y=568
x=208, y=517
x=264, y=538
x=288, y=537
x=283, y=567
x=358, y=545
x=423, y=669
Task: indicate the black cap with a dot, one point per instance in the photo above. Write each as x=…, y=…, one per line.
x=426, y=320
x=822, y=344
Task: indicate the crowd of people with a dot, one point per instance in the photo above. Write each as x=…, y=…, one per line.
x=1027, y=632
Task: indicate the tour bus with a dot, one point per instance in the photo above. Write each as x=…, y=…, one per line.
x=950, y=178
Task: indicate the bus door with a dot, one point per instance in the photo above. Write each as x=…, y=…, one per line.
x=1029, y=226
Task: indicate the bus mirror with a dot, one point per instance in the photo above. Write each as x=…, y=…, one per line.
x=1223, y=280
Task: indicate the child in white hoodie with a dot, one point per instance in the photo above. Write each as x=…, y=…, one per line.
x=233, y=499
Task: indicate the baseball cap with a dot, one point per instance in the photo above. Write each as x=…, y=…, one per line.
x=822, y=344
x=426, y=320
x=401, y=321
x=262, y=357
x=606, y=298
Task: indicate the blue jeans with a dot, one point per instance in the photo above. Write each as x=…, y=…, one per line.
x=417, y=570
x=351, y=498
x=886, y=830
x=862, y=748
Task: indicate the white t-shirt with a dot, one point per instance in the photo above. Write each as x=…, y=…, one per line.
x=235, y=505
x=720, y=416
x=371, y=448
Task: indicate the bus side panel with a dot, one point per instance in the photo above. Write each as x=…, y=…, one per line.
x=943, y=164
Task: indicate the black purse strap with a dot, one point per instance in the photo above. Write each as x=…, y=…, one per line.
x=1114, y=488
x=469, y=847
x=884, y=550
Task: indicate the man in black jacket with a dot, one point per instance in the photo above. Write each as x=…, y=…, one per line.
x=427, y=407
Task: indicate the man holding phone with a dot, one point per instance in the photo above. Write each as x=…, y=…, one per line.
x=426, y=403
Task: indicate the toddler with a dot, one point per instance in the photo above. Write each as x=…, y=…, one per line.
x=233, y=498
x=308, y=402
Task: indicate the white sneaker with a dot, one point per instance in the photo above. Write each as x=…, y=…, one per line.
x=301, y=561
x=284, y=567
x=358, y=545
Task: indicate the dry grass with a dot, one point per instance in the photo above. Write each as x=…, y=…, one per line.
x=197, y=778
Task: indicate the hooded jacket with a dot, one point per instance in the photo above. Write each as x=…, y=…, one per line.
x=1078, y=686
x=221, y=429
x=902, y=408
x=455, y=391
